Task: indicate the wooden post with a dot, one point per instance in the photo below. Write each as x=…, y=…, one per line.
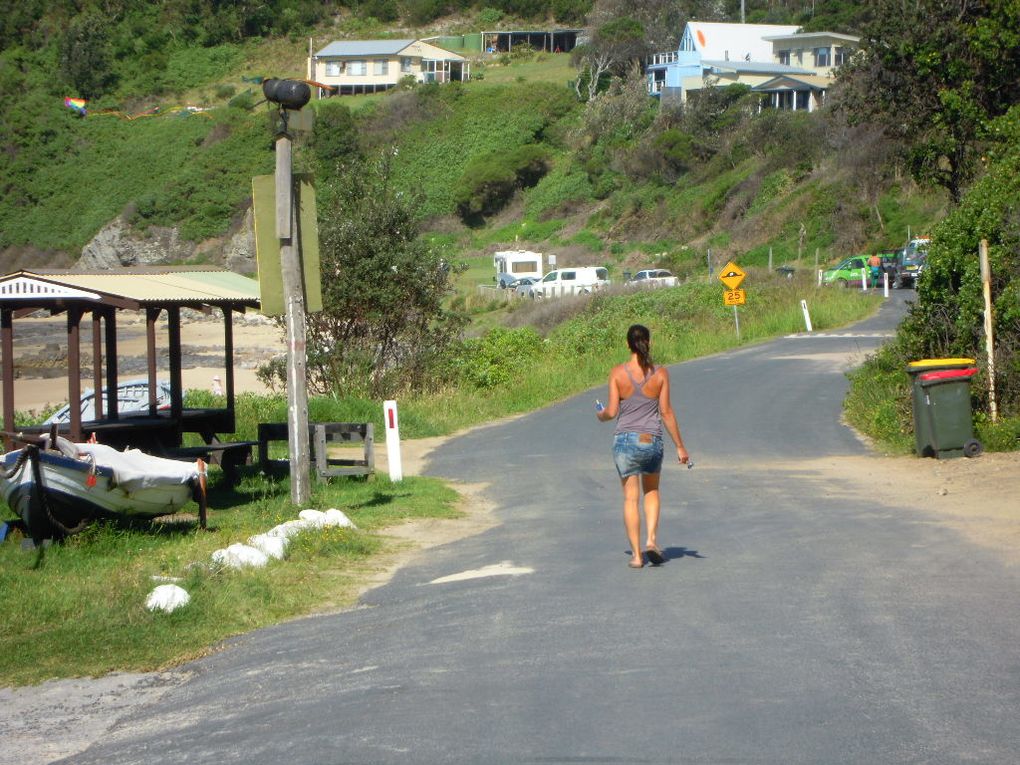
x=173, y=316
x=74, y=370
x=151, y=314
x=986, y=288
x=97, y=364
x=111, y=363
x=7, y=349
x=228, y=353
x=294, y=318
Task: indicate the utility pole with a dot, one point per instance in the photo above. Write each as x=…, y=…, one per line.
x=292, y=95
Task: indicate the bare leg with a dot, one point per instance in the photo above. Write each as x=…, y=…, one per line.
x=631, y=517
x=650, y=486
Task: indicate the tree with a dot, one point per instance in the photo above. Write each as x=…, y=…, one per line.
x=933, y=73
x=383, y=326
x=614, y=46
x=85, y=55
x=335, y=139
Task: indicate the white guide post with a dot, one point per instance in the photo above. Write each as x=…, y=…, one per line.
x=864, y=280
x=885, y=283
x=807, y=316
x=392, y=440
x=820, y=272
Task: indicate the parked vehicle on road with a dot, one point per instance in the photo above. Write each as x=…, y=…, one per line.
x=653, y=277
x=846, y=273
x=911, y=263
x=580, y=280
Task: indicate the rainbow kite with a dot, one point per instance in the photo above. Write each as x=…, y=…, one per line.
x=76, y=104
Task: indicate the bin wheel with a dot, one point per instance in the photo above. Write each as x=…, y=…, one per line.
x=972, y=448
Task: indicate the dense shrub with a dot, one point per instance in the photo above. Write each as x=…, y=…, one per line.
x=499, y=357
x=947, y=319
x=490, y=181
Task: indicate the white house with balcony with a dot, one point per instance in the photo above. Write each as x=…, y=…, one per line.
x=351, y=67
x=790, y=69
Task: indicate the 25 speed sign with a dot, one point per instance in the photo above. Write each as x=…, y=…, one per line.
x=734, y=297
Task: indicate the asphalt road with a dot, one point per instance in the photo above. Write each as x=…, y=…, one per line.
x=794, y=622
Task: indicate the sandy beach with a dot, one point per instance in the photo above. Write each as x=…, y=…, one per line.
x=40, y=348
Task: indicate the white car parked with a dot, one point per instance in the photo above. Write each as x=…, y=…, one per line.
x=581, y=280
x=653, y=277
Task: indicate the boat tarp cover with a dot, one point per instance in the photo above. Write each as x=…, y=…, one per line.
x=134, y=469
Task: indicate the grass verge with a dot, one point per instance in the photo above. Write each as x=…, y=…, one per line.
x=77, y=608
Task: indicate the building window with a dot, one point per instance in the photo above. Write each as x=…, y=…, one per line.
x=357, y=68
x=784, y=57
x=380, y=66
x=840, y=58
x=406, y=65
x=687, y=43
x=803, y=102
x=822, y=57
x=784, y=99
x=334, y=68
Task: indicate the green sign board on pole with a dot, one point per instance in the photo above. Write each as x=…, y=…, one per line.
x=267, y=245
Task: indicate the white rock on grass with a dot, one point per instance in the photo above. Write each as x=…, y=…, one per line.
x=274, y=547
x=315, y=519
x=287, y=529
x=167, y=598
x=239, y=556
x=336, y=517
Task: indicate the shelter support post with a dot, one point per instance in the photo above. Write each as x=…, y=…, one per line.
x=7, y=350
x=151, y=314
x=228, y=355
x=97, y=362
x=74, y=369
x=111, y=364
x=173, y=314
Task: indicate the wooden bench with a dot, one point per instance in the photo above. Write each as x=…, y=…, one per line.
x=229, y=455
x=320, y=436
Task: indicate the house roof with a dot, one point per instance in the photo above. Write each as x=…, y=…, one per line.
x=754, y=67
x=795, y=82
x=721, y=41
x=129, y=287
x=363, y=48
x=808, y=36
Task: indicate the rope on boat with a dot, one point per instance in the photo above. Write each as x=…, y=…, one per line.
x=33, y=457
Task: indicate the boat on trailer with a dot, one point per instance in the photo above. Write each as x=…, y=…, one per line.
x=57, y=486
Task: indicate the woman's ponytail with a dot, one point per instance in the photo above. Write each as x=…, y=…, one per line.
x=638, y=340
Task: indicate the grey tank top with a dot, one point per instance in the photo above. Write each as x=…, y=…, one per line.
x=638, y=412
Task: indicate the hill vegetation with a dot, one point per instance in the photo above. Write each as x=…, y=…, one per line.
x=514, y=155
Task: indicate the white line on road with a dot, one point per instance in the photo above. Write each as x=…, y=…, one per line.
x=805, y=335
x=506, y=568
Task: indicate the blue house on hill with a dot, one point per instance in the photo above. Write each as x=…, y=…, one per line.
x=791, y=69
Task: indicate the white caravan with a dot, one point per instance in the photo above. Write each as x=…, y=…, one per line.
x=516, y=264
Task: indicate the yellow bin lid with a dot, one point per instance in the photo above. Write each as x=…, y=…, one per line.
x=927, y=364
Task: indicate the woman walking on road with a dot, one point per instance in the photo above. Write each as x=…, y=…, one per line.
x=639, y=394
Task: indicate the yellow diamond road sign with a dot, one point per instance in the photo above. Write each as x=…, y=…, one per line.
x=731, y=275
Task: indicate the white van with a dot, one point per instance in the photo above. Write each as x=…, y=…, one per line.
x=511, y=265
x=571, y=281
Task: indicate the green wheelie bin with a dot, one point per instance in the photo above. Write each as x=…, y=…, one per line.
x=923, y=439
x=943, y=426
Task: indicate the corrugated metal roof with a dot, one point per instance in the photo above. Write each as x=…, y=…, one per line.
x=755, y=67
x=813, y=81
x=155, y=284
x=718, y=40
x=364, y=48
x=808, y=36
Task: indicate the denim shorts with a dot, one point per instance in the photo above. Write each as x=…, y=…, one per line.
x=632, y=457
